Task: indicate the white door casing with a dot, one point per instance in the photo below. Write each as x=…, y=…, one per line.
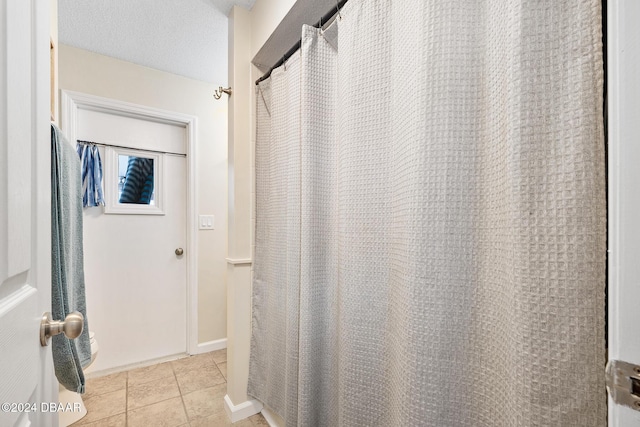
x=623, y=46
x=164, y=131
x=27, y=382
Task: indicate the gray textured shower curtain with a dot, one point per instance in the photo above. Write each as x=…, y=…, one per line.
x=430, y=218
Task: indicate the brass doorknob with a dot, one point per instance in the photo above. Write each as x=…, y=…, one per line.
x=179, y=251
x=71, y=326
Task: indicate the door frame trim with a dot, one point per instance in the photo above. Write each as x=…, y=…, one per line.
x=74, y=101
x=623, y=207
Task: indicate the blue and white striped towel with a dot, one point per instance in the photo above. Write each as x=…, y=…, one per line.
x=91, y=174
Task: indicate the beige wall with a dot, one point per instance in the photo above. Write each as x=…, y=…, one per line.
x=240, y=177
x=248, y=30
x=265, y=17
x=87, y=72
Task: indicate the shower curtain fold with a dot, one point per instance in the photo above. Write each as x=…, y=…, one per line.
x=430, y=219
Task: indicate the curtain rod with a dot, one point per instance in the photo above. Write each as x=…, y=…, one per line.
x=326, y=18
x=128, y=148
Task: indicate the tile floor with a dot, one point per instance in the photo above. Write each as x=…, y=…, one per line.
x=186, y=392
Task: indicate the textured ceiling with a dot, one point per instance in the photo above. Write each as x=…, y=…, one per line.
x=187, y=37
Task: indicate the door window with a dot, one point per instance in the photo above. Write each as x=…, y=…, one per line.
x=133, y=182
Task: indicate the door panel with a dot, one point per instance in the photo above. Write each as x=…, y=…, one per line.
x=18, y=371
x=136, y=284
x=25, y=235
x=19, y=129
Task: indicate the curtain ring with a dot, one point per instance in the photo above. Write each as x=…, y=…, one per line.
x=338, y=10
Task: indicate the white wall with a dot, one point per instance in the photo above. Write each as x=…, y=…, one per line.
x=87, y=72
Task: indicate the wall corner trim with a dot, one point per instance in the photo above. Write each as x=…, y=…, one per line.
x=242, y=410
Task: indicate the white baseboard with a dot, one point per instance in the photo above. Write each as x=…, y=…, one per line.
x=272, y=418
x=204, y=347
x=208, y=346
x=90, y=373
x=242, y=410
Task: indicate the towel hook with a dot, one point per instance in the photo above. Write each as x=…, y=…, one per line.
x=218, y=92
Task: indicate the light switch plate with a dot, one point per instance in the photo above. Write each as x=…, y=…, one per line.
x=206, y=222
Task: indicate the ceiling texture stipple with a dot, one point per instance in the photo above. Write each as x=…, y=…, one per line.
x=186, y=37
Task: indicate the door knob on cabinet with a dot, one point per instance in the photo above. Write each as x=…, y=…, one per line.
x=179, y=251
x=71, y=326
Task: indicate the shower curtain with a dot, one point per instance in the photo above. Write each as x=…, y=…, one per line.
x=430, y=218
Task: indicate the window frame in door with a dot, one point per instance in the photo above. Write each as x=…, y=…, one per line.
x=112, y=203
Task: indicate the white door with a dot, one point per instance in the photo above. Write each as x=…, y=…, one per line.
x=624, y=192
x=136, y=284
x=26, y=370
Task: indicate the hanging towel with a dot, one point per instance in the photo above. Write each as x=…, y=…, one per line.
x=91, y=174
x=138, y=183
x=67, y=266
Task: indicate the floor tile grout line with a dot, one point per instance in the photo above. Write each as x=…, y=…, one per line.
x=126, y=401
x=151, y=404
x=83, y=421
x=158, y=401
x=217, y=366
x=174, y=372
x=180, y=390
x=219, y=371
x=184, y=406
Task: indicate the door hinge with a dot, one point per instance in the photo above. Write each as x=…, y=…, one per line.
x=623, y=383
